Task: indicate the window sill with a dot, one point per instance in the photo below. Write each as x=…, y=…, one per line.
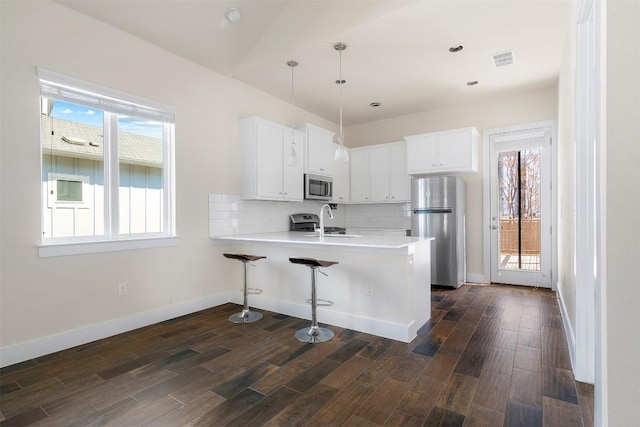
x=47, y=250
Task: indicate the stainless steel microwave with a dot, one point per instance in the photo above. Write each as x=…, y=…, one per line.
x=318, y=187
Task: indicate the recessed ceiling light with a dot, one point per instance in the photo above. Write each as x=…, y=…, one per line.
x=375, y=104
x=473, y=83
x=454, y=49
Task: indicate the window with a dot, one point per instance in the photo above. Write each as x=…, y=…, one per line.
x=107, y=164
x=70, y=191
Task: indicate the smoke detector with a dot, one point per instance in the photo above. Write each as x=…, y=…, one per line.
x=230, y=15
x=502, y=59
x=233, y=15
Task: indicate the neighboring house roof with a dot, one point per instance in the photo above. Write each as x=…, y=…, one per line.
x=133, y=149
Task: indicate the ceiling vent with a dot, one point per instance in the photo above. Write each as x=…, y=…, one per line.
x=502, y=59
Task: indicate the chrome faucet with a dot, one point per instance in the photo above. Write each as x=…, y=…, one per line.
x=321, y=230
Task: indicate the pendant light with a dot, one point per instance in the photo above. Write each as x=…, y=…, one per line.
x=341, y=152
x=292, y=158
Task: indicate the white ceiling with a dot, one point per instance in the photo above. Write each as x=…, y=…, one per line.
x=397, y=50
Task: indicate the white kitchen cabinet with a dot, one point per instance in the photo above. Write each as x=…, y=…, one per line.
x=265, y=148
x=341, y=179
x=456, y=150
x=360, y=186
x=318, y=149
x=379, y=174
x=400, y=180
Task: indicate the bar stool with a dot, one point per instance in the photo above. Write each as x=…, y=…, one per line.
x=246, y=315
x=314, y=334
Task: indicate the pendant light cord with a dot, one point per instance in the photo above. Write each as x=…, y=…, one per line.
x=341, y=137
x=293, y=107
x=293, y=101
x=341, y=152
x=292, y=159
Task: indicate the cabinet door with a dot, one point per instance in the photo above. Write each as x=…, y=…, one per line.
x=293, y=175
x=319, y=151
x=421, y=154
x=341, y=180
x=400, y=181
x=379, y=173
x=454, y=150
x=269, y=163
x=360, y=176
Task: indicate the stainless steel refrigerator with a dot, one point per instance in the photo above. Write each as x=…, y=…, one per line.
x=438, y=210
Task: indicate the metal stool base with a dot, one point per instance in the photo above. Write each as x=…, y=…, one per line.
x=245, y=316
x=314, y=335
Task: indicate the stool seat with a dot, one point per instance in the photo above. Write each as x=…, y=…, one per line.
x=246, y=315
x=243, y=257
x=312, y=262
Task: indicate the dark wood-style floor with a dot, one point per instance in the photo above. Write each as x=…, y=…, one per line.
x=490, y=356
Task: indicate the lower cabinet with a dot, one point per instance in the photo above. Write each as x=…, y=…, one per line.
x=379, y=174
x=268, y=173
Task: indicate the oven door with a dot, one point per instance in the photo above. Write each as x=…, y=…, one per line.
x=318, y=187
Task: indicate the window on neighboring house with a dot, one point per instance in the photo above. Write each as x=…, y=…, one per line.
x=68, y=191
x=107, y=166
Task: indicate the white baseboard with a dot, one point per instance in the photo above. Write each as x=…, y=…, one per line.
x=46, y=345
x=394, y=331
x=571, y=339
x=476, y=278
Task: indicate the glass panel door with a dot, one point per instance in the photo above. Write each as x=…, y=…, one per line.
x=520, y=209
x=519, y=184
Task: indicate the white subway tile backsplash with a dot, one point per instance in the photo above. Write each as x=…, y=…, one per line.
x=229, y=214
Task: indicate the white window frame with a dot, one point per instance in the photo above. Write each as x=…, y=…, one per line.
x=60, y=87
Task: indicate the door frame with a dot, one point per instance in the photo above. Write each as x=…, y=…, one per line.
x=552, y=127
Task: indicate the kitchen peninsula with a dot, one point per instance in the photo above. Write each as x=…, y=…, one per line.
x=381, y=284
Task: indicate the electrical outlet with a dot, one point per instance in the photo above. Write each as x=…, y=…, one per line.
x=122, y=289
x=369, y=290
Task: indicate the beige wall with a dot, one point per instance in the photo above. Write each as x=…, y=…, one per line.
x=500, y=111
x=621, y=179
x=45, y=296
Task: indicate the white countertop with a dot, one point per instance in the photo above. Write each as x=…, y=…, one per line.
x=329, y=241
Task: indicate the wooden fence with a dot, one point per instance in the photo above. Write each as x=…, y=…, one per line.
x=530, y=236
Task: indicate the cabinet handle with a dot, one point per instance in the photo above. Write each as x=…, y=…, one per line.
x=433, y=165
x=440, y=164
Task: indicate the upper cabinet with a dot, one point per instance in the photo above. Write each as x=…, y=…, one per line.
x=341, y=179
x=318, y=149
x=379, y=174
x=265, y=149
x=455, y=151
x=360, y=185
x=400, y=180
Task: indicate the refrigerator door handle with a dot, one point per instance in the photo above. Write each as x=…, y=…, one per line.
x=432, y=210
